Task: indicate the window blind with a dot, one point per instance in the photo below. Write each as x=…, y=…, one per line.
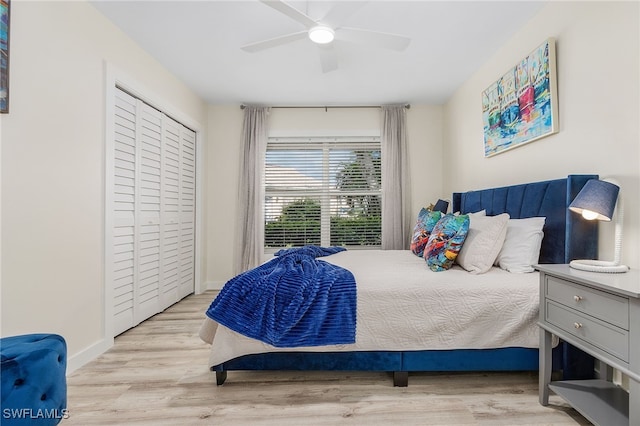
x=323, y=191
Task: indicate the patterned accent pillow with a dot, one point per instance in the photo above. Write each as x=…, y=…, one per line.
x=445, y=241
x=427, y=219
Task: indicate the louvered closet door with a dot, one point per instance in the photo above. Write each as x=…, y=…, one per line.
x=153, y=207
x=187, y=212
x=123, y=267
x=149, y=202
x=170, y=239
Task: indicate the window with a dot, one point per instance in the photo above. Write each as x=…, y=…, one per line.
x=323, y=191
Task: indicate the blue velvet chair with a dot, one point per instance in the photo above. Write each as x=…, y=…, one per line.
x=34, y=384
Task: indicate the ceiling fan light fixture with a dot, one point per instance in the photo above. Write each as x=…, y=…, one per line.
x=321, y=34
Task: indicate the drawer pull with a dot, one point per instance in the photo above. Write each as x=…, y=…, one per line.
x=577, y=325
x=577, y=298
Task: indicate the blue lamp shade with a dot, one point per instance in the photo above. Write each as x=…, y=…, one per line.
x=597, y=200
x=441, y=206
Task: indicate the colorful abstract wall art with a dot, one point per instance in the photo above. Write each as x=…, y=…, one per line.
x=4, y=56
x=522, y=105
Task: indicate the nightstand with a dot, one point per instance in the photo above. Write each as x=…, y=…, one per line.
x=598, y=313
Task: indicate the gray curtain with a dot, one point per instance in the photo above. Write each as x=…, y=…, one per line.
x=249, y=235
x=395, y=179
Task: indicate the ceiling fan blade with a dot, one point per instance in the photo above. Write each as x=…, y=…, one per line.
x=373, y=38
x=273, y=42
x=291, y=12
x=341, y=11
x=328, y=58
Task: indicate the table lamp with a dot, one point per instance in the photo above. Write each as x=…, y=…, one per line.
x=441, y=206
x=597, y=200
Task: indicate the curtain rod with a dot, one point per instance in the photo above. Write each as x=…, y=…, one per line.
x=326, y=107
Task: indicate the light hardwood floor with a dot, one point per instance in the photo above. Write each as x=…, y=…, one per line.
x=157, y=374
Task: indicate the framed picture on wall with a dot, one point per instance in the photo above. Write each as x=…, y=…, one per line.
x=522, y=105
x=4, y=55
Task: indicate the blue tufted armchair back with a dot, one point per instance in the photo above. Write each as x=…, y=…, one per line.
x=34, y=385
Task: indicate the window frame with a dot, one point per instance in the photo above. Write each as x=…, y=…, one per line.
x=324, y=193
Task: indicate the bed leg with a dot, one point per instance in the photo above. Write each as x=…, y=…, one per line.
x=401, y=379
x=221, y=376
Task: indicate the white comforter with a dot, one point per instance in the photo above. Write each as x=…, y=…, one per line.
x=402, y=305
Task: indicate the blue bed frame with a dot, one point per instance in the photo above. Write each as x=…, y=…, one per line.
x=566, y=237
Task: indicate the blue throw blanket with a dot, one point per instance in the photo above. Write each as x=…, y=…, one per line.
x=293, y=300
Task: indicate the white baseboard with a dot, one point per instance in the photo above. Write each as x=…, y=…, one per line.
x=215, y=285
x=210, y=285
x=89, y=354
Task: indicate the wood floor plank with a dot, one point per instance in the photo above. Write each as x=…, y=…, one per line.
x=156, y=374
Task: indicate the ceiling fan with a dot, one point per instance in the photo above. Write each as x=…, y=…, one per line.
x=324, y=31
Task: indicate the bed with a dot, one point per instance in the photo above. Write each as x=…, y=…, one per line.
x=401, y=329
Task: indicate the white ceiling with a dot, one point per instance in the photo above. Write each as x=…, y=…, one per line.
x=199, y=42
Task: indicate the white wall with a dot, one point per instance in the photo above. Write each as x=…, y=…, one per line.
x=424, y=138
x=53, y=166
x=598, y=94
x=222, y=163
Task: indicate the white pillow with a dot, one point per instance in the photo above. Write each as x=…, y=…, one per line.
x=483, y=242
x=521, y=248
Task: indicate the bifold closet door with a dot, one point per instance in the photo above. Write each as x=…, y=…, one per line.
x=123, y=269
x=187, y=212
x=170, y=213
x=148, y=212
x=153, y=212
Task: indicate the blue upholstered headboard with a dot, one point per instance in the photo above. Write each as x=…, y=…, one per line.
x=566, y=235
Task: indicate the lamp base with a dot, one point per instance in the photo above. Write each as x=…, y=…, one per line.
x=598, y=266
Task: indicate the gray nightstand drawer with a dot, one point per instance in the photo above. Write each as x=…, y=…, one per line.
x=605, y=306
x=606, y=337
